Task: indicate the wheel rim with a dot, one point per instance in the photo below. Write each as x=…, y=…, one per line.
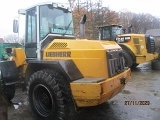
x=43, y=100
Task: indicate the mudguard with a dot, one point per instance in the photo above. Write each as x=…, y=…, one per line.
x=128, y=49
x=67, y=67
x=8, y=72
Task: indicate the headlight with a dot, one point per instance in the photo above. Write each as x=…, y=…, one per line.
x=123, y=39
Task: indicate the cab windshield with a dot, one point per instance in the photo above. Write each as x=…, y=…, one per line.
x=55, y=21
x=109, y=32
x=116, y=31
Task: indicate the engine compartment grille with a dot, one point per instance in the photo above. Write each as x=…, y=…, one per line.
x=58, y=45
x=115, y=62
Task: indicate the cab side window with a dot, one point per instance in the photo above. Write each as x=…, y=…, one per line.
x=31, y=26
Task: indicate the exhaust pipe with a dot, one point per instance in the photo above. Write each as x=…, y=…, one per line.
x=82, y=26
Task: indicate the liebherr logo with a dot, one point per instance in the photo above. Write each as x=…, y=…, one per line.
x=58, y=54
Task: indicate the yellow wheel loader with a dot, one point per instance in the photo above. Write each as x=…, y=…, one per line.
x=7, y=85
x=60, y=72
x=138, y=48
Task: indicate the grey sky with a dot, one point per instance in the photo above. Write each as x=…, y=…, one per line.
x=137, y=6
x=9, y=9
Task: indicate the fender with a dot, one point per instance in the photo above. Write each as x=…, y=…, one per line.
x=67, y=67
x=128, y=49
x=8, y=72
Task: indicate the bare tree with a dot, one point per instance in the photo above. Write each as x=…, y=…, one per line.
x=96, y=16
x=22, y=39
x=71, y=3
x=143, y=22
x=12, y=38
x=99, y=16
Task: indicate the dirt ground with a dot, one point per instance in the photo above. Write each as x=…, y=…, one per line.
x=127, y=105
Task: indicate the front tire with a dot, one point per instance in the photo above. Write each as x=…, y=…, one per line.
x=127, y=59
x=49, y=95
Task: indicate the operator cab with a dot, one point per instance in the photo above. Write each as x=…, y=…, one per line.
x=109, y=32
x=45, y=22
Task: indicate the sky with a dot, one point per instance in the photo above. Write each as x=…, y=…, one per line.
x=137, y=6
x=9, y=10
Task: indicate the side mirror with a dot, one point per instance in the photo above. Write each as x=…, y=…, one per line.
x=15, y=26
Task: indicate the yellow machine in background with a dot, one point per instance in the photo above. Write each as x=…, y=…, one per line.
x=138, y=48
x=62, y=73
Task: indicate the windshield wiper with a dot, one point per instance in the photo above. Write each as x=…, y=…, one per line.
x=67, y=28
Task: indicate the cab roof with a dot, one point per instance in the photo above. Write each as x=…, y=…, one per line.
x=22, y=11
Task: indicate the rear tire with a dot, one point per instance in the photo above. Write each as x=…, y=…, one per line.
x=9, y=91
x=128, y=59
x=49, y=95
x=155, y=64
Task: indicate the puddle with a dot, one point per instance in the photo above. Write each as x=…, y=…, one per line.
x=144, y=67
x=152, y=90
x=126, y=92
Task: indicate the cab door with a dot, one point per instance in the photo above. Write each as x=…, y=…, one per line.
x=31, y=33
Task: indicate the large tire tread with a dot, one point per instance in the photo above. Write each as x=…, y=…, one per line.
x=128, y=59
x=58, y=86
